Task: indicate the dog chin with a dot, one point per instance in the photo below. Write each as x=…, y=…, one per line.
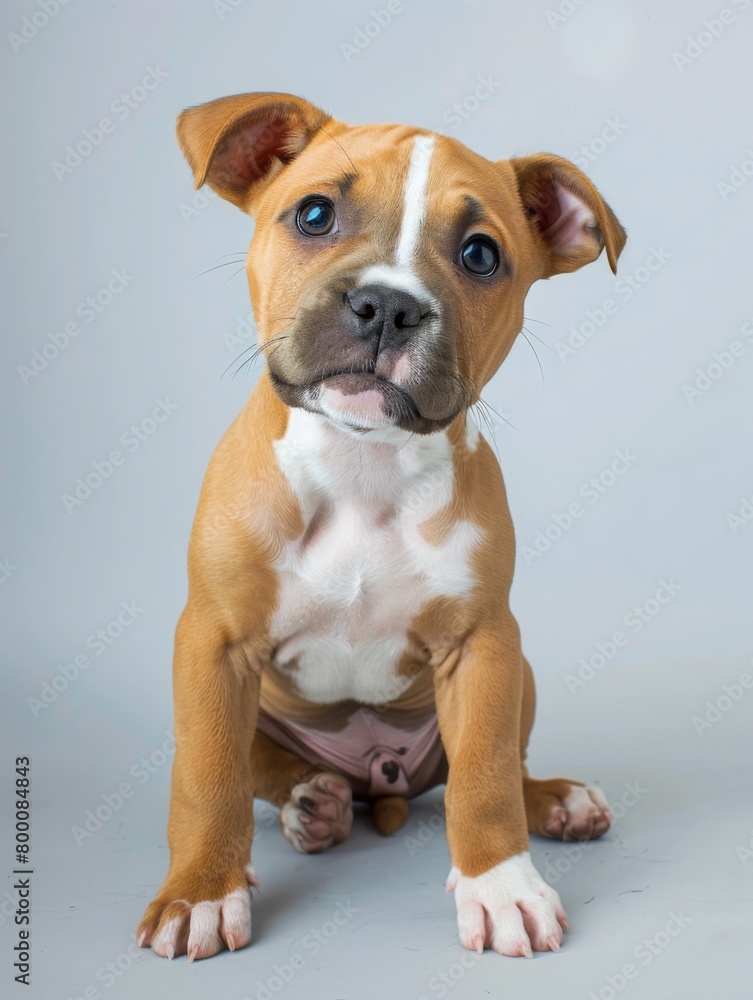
x=358, y=401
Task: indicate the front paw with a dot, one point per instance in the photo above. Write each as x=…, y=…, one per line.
x=198, y=915
x=509, y=908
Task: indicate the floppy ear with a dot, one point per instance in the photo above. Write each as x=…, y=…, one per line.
x=238, y=144
x=571, y=221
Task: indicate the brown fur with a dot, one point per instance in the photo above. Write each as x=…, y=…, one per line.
x=465, y=656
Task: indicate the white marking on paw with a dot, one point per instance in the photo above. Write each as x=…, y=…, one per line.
x=211, y=924
x=318, y=815
x=509, y=908
x=163, y=942
x=588, y=813
x=204, y=934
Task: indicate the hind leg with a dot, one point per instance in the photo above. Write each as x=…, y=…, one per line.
x=315, y=805
x=558, y=808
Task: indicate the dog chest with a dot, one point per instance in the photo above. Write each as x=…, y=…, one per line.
x=360, y=571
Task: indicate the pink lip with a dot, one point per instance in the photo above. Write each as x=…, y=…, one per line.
x=357, y=396
x=350, y=385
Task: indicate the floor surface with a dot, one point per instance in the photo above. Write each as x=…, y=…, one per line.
x=661, y=908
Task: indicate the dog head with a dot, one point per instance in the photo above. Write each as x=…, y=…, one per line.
x=389, y=265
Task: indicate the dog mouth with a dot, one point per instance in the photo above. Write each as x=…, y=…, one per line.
x=362, y=399
x=356, y=397
x=351, y=383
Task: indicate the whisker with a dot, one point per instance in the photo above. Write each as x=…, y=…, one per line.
x=235, y=274
x=216, y=267
x=538, y=362
x=257, y=350
x=536, y=337
x=530, y=319
x=499, y=416
x=489, y=426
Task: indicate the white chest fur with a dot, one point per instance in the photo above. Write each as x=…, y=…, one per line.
x=361, y=570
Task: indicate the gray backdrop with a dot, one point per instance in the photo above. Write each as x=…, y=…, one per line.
x=118, y=328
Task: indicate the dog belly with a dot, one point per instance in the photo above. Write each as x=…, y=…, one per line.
x=380, y=752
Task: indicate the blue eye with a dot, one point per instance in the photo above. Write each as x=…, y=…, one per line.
x=316, y=217
x=480, y=256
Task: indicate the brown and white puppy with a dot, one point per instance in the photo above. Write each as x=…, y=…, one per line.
x=347, y=629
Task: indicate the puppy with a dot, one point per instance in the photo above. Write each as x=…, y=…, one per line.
x=347, y=631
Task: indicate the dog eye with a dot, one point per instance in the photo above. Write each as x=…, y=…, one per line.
x=480, y=256
x=316, y=217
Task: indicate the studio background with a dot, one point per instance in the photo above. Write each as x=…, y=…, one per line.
x=124, y=304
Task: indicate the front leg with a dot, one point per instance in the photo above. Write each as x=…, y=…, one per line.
x=204, y=903
x=502, y=901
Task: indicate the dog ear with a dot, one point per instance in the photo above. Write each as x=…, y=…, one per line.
x=571, y=221
x=238, y=144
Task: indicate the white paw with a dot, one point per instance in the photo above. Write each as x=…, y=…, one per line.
x=200, y=930
x=319, y=813
x=509, y=908
x=587, y=813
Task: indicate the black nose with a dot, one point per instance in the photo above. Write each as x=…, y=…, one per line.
x=387, y=315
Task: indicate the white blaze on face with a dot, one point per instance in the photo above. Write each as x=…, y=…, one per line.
x=414, y=199
x=402, y=273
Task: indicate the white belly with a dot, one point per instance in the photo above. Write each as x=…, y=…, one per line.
x=361, y=570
